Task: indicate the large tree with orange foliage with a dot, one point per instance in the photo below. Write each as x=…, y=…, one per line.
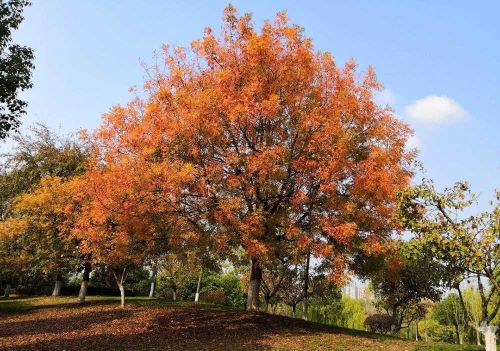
x=253, y=139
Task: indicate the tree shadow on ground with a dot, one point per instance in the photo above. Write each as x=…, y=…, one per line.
x=60, y=324
x=153, y=328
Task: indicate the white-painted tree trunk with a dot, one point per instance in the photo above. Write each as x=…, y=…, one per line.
x=174, y=295
x=416, y=330
x=83, y=291
x=198, y=287
x=254, y=286
x=57, y=287
x=120, y=282
x=122, y=295
x=6, y=292
x=490, y=337
x=153, y=284
x=152, y=289
x=478, y=338
x=87, y=267
x=305, y=302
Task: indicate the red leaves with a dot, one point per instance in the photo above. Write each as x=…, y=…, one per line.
x=254, y=138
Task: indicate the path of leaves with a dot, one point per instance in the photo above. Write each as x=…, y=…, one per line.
x=108, y=327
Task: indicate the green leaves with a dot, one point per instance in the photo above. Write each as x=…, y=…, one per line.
x=16, y=65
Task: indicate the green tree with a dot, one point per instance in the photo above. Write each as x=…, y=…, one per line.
x=34, y=193
x=35, y=155
x=16, y=65
x=467, y=245
x=449, y=311
x=353, y=314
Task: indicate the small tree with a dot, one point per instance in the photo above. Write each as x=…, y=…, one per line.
x=404, y=282
x=380, y=323
x=293, y=288
x=450, y=312
x=275, y=273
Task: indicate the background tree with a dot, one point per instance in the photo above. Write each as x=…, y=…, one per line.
x=40, y=154
x=467, y=245
x=353, y=314
x=36, y=154
x=274, y=274
x=38, y=228
x=293, y=288
x=403, y=282
x=16, y=65
x=449, y=311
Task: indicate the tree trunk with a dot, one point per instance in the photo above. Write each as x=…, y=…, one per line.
x=457, y=331
x=174, y=295
x=293, y=310
x=57, y=286
x=426, y=330
x=266, y=306
x=416, y=330
x=490, y=337
x=6, y=292
x=122, y=295
x=478, y=338
x=254, y=286
x=153, y=283
x=305, y=303
x=197, y=296
x=120, y=282
x=87, y=267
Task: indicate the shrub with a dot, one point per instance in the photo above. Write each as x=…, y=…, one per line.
x=380, y=323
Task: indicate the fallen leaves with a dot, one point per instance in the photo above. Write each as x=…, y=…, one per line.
x=102, y=325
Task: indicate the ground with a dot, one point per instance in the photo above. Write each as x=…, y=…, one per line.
x=153, y=325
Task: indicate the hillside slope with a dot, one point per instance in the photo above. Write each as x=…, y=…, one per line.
x=60, y=324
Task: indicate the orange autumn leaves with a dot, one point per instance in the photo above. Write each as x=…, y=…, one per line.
x=250, y=139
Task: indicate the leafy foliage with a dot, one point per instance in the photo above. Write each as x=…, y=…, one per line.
x=466, y=245
x=16, y=65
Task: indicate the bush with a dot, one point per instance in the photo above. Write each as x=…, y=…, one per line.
x=380, y=323
x=229, y=284
x=214, y=296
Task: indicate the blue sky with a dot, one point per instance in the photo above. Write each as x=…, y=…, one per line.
x=438, y=60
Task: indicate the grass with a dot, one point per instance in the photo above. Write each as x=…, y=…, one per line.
x=46, y=323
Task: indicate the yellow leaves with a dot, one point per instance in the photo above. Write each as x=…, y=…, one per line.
x=12, y=227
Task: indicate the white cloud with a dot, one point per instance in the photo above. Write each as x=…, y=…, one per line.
x=413, y=142
x=436, y=110
x=385, y=97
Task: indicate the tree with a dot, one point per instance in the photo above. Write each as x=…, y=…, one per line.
x=37, y=230
x=116, y=240
x=16, y=65
x=450, y=312
x=380, y=323
x=30, y=206
x=274, y=274
x=404, y=282
x=293, y=288
x=35, y=155
x=353, y=314
x=258, y=139
x=467, y=245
